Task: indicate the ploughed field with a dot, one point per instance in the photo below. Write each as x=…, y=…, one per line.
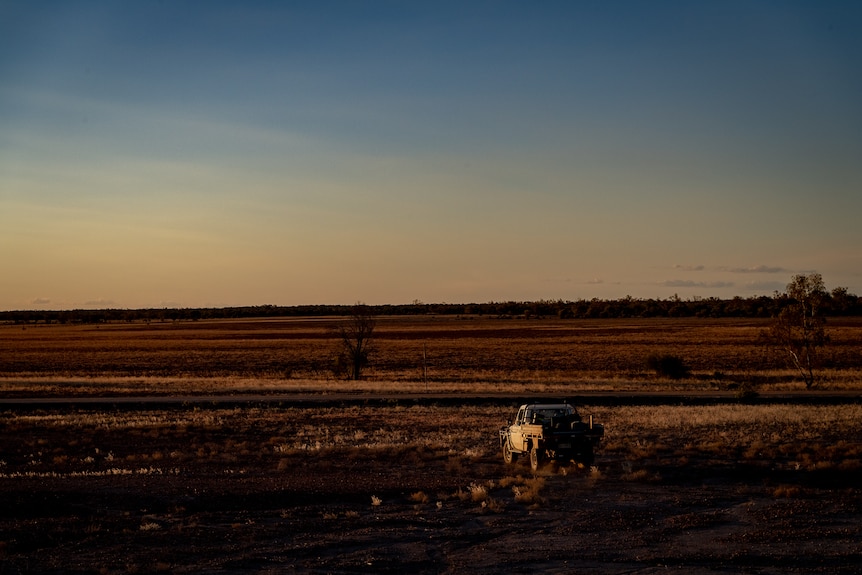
x=387, y=475
x=421, y=487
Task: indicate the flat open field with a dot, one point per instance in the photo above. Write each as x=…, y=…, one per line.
x=364, y=485
x=411, y=354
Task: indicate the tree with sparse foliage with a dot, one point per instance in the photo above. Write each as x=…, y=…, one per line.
x=798, y=329
x=355, y=334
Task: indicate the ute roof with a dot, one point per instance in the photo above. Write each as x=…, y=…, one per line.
x=558, y=405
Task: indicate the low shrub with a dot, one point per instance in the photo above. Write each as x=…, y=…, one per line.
x=667, y=365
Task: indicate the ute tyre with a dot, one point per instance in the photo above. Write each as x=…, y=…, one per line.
x=509, y=456
x=535, y=460
x=587, y=457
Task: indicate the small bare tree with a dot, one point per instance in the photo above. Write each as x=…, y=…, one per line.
x=355, y=334
x=798, y=330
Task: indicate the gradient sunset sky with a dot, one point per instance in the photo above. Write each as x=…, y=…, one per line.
x=187, y=154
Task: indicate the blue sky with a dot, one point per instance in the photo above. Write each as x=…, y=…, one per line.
x=240, y=153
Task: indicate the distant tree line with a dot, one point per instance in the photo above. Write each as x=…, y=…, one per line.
x=837, y=303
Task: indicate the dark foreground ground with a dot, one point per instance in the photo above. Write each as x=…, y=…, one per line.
x=414, y=509
x=327, y=524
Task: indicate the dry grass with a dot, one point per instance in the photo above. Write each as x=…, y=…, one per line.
x=793, y=437
x=419, y=497
x=642, y=443
x=240, y=439
x=527, y=490
x=477, y=355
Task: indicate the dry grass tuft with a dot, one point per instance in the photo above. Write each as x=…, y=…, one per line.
x=528, y=491
x=850, y=465
x=493, y=505
x=419, y=497
x=641, y=475
x=478, y=492
x=788, y=491
x=508, y=481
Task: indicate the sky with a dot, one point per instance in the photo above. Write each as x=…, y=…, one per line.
x=213, y=154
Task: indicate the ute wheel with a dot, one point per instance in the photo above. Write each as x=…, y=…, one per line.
x=509, y=456
x=534, y=459
x=587, y=457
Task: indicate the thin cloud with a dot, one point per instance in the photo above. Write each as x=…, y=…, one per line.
x=596, y=281
x=100, y=302
x=694, y=284
x=686, y=268
x=761, y=269
x=40, y=301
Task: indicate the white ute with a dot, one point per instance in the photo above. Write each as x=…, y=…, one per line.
x=550, y=431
